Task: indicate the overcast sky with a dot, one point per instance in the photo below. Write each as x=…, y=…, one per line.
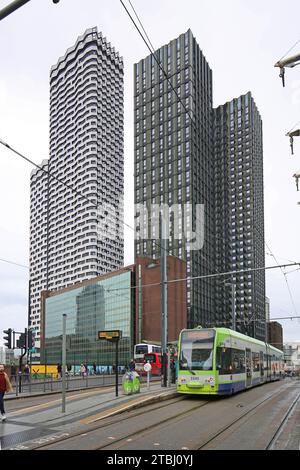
x=241, y=41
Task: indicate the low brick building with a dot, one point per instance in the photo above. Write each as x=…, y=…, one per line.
x=275, y=335
x=148, y=306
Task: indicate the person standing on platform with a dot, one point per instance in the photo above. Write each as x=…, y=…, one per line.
x=132, y=366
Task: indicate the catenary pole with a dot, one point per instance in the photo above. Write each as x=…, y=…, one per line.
x=63, y=375
x=164, y=300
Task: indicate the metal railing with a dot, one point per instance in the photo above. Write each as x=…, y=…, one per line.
x=26, y=384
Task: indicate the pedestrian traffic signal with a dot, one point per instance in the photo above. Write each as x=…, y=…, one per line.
x=21, y=342
x=7, y=339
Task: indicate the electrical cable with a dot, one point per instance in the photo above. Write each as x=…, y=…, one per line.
x=12, y=262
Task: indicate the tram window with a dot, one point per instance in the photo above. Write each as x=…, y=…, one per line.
x=238, y=361
x=255, y=361
x=223, y=358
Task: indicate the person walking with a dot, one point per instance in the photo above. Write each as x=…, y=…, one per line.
x=5, y=386
x=27, y=373
x=173, y=370
x=13, y=372
x=95, y=368
x=132, y=365
x=58, y=370
x=82, y=370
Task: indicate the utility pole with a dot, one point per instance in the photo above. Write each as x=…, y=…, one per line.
x=63, y=370
x=140, y=326
x=164, y=299
x=233, y=294
x=29, y=346
x=21, y=359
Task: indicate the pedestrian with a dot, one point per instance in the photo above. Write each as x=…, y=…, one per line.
x=5, y=386
x=173, y=371
x=82, y=370
x=58, y=370
x=132, y=365
x=13, y=372
x=94, y=368
x=27, y=373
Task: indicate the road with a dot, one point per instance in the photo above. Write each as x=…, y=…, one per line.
x=260, y=418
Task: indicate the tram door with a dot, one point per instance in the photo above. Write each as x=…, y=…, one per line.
x=261, y=367
x=248, y=368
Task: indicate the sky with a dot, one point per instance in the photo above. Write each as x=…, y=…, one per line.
x=240, y=40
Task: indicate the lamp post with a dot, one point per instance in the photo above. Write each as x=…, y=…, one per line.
x=233, y=295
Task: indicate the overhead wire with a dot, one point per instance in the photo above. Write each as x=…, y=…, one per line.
x=156, y=60
x=12, y=262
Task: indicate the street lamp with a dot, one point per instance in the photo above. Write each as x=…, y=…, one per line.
x=297, y=177
x=233, y=294
x=291, y=135
x=289, y=62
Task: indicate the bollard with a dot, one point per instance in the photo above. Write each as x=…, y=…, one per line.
x=148, y=380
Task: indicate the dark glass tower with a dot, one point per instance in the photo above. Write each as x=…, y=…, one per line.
x=174, y=162
x=239, y=213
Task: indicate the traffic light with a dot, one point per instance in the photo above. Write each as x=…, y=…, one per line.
x=7, y=339
x=21, y=342
x=31, y=342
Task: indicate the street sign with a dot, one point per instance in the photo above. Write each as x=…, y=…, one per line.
x=111, y=335
x=147, y=367
x=114, y=336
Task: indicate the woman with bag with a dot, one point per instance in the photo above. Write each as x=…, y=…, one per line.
x=5, y=386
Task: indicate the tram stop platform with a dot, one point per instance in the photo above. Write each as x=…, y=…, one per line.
x=37, y=422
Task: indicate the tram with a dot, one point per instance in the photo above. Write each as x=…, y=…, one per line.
x=220, y=361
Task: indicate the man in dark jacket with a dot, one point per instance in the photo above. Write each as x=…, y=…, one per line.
x=131, y=365
x=58, y=370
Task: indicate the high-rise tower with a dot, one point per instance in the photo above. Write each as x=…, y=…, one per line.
x=85, y=229
x=240, y=214
x=174, y=161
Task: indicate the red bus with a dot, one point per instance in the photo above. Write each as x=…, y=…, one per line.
x=155, y=361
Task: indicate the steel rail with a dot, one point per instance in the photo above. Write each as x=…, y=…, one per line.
x=103, y=424
x=236, y=420
x=282, y=424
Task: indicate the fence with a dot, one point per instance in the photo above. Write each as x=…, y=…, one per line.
x=26, y=384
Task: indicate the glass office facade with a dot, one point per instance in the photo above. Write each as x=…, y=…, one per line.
x=106, y=304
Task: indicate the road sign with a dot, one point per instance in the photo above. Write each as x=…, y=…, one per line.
x=147, y=367
x=114, y=336
x=111, y=335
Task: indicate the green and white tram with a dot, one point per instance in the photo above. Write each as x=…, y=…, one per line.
x=219, y=361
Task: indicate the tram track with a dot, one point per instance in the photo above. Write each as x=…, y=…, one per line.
x=130, y=429
x=117, y=420
x=249, y=413
x=152, y=427
x=284, y=420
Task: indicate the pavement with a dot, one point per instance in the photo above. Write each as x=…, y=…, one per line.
x=44, y=422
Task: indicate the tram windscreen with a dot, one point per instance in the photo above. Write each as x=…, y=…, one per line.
x=196, y=350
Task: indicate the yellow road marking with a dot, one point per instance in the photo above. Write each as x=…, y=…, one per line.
x=53, y=402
